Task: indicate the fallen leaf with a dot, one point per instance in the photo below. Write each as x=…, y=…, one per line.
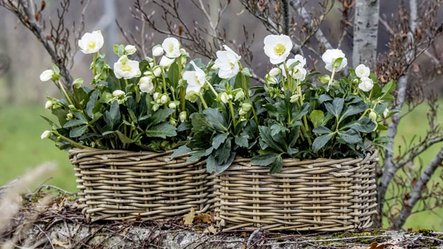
x=211, y=229
x=188, y=219
x=203, y=218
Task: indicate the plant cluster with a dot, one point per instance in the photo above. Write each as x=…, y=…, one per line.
x=211, y=111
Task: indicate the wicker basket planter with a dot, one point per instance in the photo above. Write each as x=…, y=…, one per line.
x=311, y=195
x=126, y=185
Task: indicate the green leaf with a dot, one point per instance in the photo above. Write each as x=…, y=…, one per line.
x=92, y=103
x=160, y=116
x=242, y=140
x=211, y=164
x=221, y=167
x=74, y=122
x=350, y=137
x=316, y=117
x=216, y=119
x=265, y=135
x=353, y=110
x=321, y=141
x=123, y=138
x=218, y=140
x=324, y=98
x=364, y=125
x=278, y=128
x=336, y=107
x=78, y=131
x=173, y=75
x=113, y=116
x=162, y=131
x=181, y=151
x=321, y=130
x=222, y=154
x=264, y=160
x=277, y=165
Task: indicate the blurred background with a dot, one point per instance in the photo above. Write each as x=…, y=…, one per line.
x=22, y=95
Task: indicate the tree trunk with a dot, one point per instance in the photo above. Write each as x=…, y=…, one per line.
x=365, y=33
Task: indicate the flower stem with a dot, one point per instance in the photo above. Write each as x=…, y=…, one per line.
x=212, y=89
x=231, y=108
x=164, y=81
x=65, y=93
x=203, y=101
x=72, y=142
x=332, y=78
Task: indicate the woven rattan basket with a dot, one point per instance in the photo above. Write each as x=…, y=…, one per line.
x=311, y=195
x=125, y=185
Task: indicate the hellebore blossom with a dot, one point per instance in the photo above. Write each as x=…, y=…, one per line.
x=157, y=50
x=166, y=61
x=171, y=46
x=366, y=84
x=130, y=49
x=362, y=71
x=91, y=42
x=227, y=62
x=277, y=48
x=145, y=84
x=334, y=59
x=195, y=79
x=126, y=68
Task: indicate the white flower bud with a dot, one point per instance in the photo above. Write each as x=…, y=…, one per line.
x=46, y=75
x=239, y=95
x=155, y=107
x=146, y=85
x=366, y=84
x=386, y=113
x=157, y=71
x=156, y=95
x=157, y=50
x=130, y=49
x=164, y=99
x=294, y=98
x=69, y=116
x=166, y=62
x=224, y=97
x=45, y=134
x=118, y=93
x=49, y=104
x=172, y=105
x=183, y=116
x=246, y=107
x=373, y=116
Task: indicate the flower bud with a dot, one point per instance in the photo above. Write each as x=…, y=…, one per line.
x=246, y=107
x=166, y=62
x=157, y=71
x=183, y=116
x=240, y=95
x=324, y=79
x=172, y=121
x=155, y=107
x=156, y=95
x=294, y=98
x=77, y=83
x=157, y=50
x=373, y=116
x=386, y=113
x=172, y=105
x=130, y=49
x=274, y=72
x=164, y=99
x=71, y=107
x=270, y=80
x=45, y=134
x=49, y=104
x=184, y=52
x=118, y=93
x=46, y=75
x=224, y=97
x=69, y=116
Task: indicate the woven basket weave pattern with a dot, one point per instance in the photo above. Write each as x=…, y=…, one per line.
x=125, y=185
x=310, y=195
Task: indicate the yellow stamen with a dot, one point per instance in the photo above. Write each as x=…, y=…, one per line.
x=279, y=49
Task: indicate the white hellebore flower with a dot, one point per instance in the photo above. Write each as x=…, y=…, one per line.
x=362, y=71
x=157, y=71
x=298, y=60
x=195, y=79
x=126, y=68
x=46, y=75
x=224, y=97
x=330, y=58
x=227, y=62
x=299, y=73
x=130, y=49
x=145, y=84
x=118, y=93
x=91, y=42
x=166, y=61
x=164, y=99
x=277, y=48
x=171, y=46
x=45, y=134
x=182, y=116
x=157, y=50
x=366, y=84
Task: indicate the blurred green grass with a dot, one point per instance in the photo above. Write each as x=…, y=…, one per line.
x=21, y=149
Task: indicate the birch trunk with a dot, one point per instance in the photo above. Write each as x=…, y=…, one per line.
x=365, y=32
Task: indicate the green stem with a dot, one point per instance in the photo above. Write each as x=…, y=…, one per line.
x=332, y=78
x=203, y=101
x=231, y=108
x=164, y=81
x=72, y=142
x=212, y=89
x=65, y=93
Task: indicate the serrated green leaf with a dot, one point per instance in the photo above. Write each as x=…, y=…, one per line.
x=74, y=122
x=162, y=131
x=277, y=165
x=173, y=75
x=181, y=151
x=264, y=160
x=78, y=131
x=242, y=141
x=321, y=141
x=215, y=119
x=218, y=140
x=350, y=137
x=92, y=103
x=123, y=138
x=322, y=130
x=354, y=109
x=278, y=128
x=160, y=116
x=265, y=136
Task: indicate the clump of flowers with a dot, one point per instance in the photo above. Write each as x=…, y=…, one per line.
x=133, y=104
x=295, y=114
